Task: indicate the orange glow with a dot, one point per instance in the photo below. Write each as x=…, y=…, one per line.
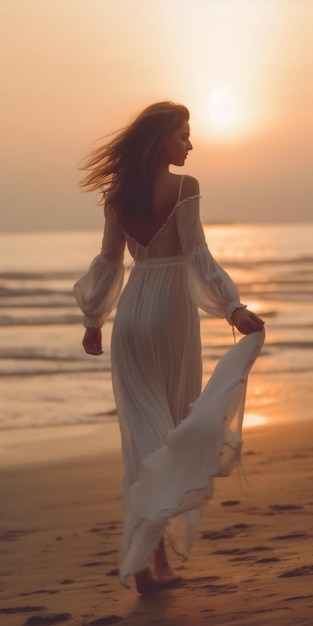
x=78, y=71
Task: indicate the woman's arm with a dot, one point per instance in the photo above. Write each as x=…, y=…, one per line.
x=211, y=287
x=97, y=292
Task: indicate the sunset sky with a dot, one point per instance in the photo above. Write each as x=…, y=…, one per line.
x=75, y=70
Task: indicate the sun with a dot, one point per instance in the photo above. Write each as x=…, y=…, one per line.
x=223, y=110
x=222, y=113
x=223, y=107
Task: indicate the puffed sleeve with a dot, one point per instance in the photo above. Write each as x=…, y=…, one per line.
x=97, y=292
x=210, y=286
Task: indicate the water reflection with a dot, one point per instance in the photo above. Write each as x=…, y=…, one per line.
x=252, y=419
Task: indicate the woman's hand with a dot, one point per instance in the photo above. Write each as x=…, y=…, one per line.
x=246, y=321
x=92, y=341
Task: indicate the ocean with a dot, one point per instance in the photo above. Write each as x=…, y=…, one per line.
x=46, y=379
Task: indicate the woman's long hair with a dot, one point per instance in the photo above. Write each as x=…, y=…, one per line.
x=125, y=168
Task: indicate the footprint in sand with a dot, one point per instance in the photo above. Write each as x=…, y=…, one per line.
x=293, y=598
x=228, y=532
x=209, y=583
x=93, y=564
x=12, y=535
x=294, y=535
x=46, y=620
x=108, y=619
x=67, y=581
x=201, y=579
x=112, y=572
x=220, y=589
x=243, y=551
x=11, y=610
x=285, y=507
x=306, y=570
x=269, y=559
x=49, y=592
x=102, y=527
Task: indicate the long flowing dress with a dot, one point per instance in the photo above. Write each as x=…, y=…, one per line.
x=175, y=439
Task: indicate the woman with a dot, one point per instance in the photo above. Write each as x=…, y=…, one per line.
x=155, y=349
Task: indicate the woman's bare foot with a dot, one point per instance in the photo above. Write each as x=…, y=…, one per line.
x=168, y=576
x=146, y=581
x=162, y=568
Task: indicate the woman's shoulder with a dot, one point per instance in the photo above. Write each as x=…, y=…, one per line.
x=189, y=187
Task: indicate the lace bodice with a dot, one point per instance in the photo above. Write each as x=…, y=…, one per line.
x=177, y=235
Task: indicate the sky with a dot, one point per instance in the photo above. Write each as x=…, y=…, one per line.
x=75, y=70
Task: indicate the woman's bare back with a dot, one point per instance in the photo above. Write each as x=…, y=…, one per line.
x=169, y=189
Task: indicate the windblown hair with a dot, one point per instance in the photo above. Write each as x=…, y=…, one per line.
x=124, y=169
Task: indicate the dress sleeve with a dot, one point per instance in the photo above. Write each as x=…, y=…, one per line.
x=210, y=286
x=97, y=292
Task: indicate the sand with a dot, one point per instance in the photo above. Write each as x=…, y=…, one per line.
x=61, y=524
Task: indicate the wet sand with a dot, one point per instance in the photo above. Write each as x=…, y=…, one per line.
x=61, y=524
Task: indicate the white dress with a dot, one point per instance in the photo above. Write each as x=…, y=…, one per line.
x=169, y=461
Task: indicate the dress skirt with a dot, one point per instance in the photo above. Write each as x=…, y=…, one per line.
x=170, y=461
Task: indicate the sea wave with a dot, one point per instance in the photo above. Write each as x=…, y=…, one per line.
x=250, y=282
x=36, y=320
x=71, y=275
x=29, y=362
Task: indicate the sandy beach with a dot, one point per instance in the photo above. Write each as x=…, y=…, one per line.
x=61, y=524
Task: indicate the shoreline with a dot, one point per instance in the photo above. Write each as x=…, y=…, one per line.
x=27, y=446
x=41, y=444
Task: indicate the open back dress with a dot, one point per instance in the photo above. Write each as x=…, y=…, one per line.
x=175, y=438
